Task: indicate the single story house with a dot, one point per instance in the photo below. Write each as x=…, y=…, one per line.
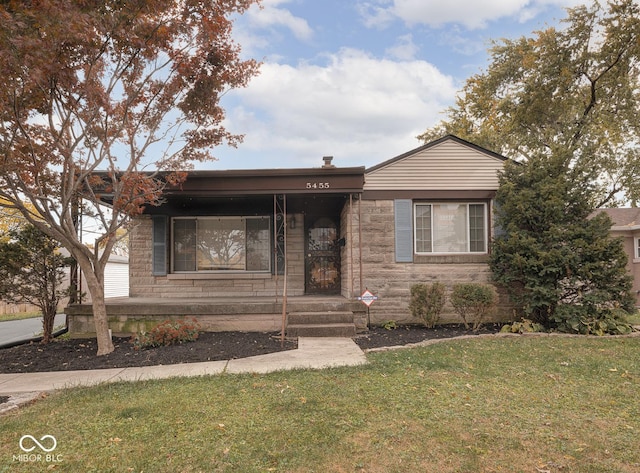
x=626, y=225
x=294, y=248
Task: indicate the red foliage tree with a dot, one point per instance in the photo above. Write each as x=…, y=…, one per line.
x=111, y=86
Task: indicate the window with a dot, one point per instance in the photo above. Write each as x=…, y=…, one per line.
x=636, y=245
x=450, y=228
x=221, y=244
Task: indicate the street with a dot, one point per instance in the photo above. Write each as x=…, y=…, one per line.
x=13, y=331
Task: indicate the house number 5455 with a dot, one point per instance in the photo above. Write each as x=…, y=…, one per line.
x=318, y=185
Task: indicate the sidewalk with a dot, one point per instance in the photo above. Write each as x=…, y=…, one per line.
x=312, y=353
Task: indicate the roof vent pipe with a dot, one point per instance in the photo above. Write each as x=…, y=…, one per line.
x=327, y=162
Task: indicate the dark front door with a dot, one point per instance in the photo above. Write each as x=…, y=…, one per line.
x=322, y=262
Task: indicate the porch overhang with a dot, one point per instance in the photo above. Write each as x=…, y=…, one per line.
x=271, y=181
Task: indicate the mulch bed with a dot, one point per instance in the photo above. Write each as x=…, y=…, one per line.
x=80, y=354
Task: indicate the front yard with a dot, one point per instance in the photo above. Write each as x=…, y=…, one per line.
x=522, y=404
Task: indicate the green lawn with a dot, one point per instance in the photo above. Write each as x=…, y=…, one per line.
x=521, y=404
x=19, y=316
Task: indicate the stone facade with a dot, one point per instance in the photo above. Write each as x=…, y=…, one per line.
x=392, y=281
x=210, y=285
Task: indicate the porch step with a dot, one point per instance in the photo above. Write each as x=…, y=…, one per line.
x=321, y=324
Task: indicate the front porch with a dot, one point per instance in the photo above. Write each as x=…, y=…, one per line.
x=330, y=315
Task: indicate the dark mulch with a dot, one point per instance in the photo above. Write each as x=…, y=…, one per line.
x=65, y=355
x=80, y=354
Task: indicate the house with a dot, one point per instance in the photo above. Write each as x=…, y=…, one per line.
x=263, y=249
x=626, y=225
x=116, y=284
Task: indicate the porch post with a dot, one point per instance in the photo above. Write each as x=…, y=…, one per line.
x=360, y=238
x=351, y=294
x=286, y=264
x=275, y=241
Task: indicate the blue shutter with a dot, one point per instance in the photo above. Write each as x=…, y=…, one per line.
x=403, y=210
x=159, y=245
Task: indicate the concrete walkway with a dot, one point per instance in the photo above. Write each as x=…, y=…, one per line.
x=312, y=353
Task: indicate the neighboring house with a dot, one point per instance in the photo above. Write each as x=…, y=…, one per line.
x=228, y=246
x=116, y=278
x=116, y=284
x=626, y=225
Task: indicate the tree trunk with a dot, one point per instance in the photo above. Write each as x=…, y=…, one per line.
x=48, y=320
x=96, y=289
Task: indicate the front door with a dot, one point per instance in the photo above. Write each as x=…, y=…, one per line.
x=322, y=262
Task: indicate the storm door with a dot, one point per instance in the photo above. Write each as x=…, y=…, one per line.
x=322, y=262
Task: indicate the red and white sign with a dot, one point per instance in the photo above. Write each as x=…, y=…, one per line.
x=368, y=298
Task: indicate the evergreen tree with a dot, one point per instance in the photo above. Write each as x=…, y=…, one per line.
x=560, y=267
x=32, y=271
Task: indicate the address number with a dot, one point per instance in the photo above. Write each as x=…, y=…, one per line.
x=318, y=185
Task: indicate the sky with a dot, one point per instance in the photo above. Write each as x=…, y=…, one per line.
x=360, y=79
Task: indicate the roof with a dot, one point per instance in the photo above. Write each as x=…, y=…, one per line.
x=324, y=180
x=623, y=218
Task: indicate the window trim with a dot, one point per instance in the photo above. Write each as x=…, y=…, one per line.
x=220, y=271
x=468, y=228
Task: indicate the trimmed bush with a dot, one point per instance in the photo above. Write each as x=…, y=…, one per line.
x=473, y=301
x=169, y=332
x=427, y=301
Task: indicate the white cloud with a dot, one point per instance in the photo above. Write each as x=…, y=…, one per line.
x=472, y=15
x=404, y=49
x=269, y=15
x=358, y=108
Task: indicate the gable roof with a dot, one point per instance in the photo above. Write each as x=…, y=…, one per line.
x=432, y=144
x=623, y=218
x=449, y=163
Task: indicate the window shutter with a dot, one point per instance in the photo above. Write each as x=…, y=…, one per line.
x=403, y=209
x=159, y=245
x=495, y=229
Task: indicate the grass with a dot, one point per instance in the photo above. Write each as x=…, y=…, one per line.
x=634, y=319
x=521, y=404
x=19, y=316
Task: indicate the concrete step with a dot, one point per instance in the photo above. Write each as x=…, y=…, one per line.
x=321, y=330
x=325, y=317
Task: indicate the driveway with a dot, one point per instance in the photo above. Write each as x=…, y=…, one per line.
x=13, y=331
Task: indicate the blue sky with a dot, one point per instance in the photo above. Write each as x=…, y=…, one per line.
x=359, y=79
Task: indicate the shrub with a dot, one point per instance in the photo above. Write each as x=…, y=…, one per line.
x=390, y=325
x=473, y=302
x=169, y=332
x=524, y=326
x=591, y=320
x=427, y=301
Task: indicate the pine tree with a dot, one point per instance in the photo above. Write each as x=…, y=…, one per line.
x=560, y=267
